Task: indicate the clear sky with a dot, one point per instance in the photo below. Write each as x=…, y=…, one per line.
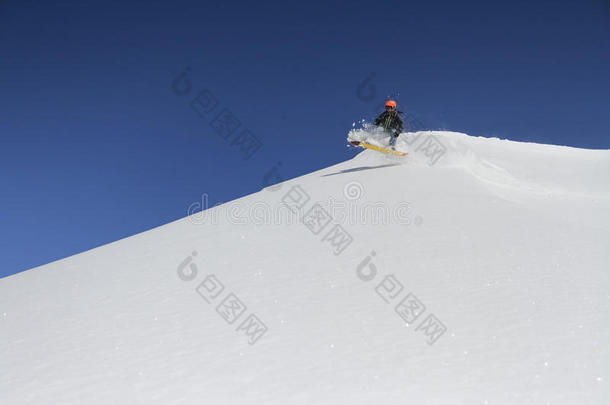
x=99, y=141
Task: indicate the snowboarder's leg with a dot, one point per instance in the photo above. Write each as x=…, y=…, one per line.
x=393, y=137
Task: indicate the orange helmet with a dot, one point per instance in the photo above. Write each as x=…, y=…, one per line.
x=390, y=103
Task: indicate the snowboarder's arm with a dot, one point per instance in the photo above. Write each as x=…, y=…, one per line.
x=399, y=124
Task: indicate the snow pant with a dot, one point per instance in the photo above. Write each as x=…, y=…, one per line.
x=393, y=137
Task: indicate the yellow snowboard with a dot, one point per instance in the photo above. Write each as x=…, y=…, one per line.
x=378, y=148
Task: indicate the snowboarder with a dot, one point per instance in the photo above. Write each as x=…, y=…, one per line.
x=391, y=121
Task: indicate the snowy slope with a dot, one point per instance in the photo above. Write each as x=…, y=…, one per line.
x=474, y=271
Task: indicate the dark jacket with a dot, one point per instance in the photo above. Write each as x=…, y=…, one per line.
x=390, y=121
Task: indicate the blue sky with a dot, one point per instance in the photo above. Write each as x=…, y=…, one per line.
x=96, y=145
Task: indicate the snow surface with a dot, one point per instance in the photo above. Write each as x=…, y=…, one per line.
x=501, y=249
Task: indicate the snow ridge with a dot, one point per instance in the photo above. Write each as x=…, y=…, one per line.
x=504, y=242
